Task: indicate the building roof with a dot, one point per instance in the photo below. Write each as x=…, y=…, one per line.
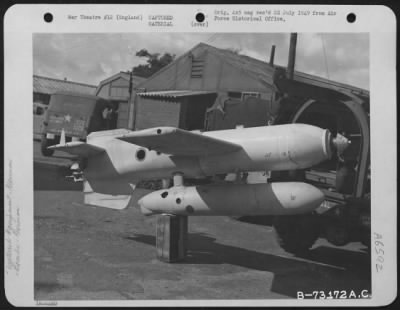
x=260, y=70
x=124, y=75
x=263, y=71
x=174, y=94
x=46, y=85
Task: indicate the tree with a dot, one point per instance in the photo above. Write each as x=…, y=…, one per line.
x=154, y=63
x=233, y=50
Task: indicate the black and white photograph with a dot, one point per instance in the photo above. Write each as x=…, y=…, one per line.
x=236, y=175
x=201, y=166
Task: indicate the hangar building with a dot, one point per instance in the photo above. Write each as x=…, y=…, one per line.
x=44, y=87
x=179, y=94
x=116, y=89
x=198, y=89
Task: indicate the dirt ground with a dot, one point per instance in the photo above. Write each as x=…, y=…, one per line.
x=84, y=252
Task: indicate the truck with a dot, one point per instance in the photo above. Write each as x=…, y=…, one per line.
x=39, y=110
x=345, y=215
x=76, y=114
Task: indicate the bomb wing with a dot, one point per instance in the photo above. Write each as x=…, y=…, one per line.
x=79, y=148
x=174, y=141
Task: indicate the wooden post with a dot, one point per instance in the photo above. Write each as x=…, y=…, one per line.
x=171, y=237
x=172, y=230
x=272, y=55
x=133, y=102
x=292, y=56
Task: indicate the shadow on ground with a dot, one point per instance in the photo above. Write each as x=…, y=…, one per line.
x=53, y=177
x=324, y=268
x=258, y=220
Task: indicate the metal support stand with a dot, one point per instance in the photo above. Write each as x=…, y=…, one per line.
x=165, y=183
x=172, y=230
x=171, y=237
x=178, y=179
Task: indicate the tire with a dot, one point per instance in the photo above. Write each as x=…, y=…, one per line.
x=296, y=234
x=366, y=238
x=44, y=144
x=337, y=233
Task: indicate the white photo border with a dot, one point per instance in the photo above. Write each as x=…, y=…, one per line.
x=22, y=21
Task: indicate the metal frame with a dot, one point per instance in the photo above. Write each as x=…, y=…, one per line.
x=355, y=106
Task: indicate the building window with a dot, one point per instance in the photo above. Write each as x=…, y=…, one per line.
x=245, y=95
x=39, y=108
x=235, y=94
x=43, y=98
x=119, y=92
x=197, y=67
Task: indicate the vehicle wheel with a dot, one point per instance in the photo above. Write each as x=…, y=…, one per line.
x=296, y=233
x=44, y=144
x=337, y=233
x=366, y=238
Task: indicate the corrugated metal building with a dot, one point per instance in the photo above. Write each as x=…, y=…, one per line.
x=204, y=77
x=44, y=87
x=116, y=90
x=180, y=94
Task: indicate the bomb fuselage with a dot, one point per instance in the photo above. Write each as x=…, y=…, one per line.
x=270, y=148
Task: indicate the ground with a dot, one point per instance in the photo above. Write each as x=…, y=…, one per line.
x=84, y=252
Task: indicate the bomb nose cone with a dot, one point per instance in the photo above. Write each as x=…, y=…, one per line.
x=142, y=205
x=296, y=197
x=313, y=199
x=340, y=143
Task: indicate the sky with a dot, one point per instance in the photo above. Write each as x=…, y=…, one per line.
x=91, y=58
